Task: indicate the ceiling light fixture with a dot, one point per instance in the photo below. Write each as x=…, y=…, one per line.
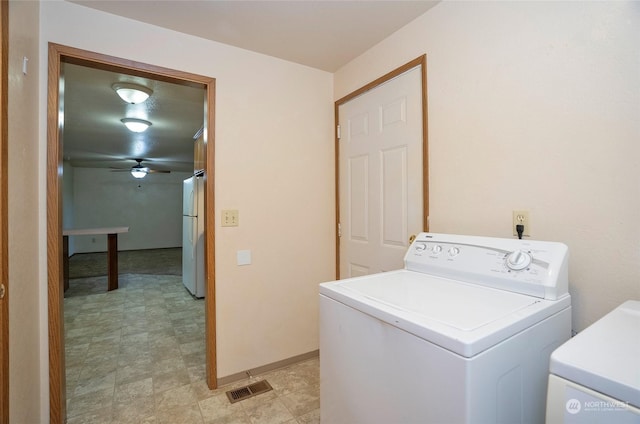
x=139, y=171
x=136, y=125
x=132, y=93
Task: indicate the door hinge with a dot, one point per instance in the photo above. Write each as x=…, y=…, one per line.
x=2, y=291
x=338, y=131
x=339, y=230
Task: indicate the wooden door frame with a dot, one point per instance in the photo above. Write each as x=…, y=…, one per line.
x=419, y=61
x=57, y=55
x=4, y=210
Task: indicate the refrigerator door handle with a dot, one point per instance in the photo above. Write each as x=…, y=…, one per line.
x=194, y=236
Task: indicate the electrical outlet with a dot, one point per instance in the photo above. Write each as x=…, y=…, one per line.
x=230, y=218
x=522, y=218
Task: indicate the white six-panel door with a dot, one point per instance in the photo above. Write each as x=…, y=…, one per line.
x=380, y=175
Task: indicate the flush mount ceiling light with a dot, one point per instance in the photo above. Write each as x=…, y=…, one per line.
x=136, y=125
x=132, y=93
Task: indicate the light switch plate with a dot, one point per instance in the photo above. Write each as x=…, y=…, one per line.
x=230, y=218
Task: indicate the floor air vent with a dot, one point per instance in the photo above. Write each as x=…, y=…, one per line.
x=245, y=392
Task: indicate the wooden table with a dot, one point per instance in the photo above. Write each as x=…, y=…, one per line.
x=112, y=251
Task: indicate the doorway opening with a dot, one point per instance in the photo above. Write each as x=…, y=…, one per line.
x=59, y=55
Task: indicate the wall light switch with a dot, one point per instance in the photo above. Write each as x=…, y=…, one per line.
x=230, y=218
x=243, y=257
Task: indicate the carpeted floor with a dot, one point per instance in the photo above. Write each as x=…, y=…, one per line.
x=150, y=261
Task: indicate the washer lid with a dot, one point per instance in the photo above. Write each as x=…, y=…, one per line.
x=605, y=356
x=464, y=318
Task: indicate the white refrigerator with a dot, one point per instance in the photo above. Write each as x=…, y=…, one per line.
x=193, y=236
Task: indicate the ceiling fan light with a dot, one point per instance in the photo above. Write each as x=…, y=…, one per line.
x=139, y=172
x=136, y=125
x=132, y=93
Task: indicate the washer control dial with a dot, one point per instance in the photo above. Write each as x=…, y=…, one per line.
x=420, y=246
x=518, y=260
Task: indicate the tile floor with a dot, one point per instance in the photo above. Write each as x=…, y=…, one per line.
x=136, y=355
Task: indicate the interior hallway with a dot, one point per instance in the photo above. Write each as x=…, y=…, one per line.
x=136, y=354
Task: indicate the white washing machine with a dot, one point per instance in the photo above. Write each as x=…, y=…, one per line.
x=595, y=376
x=462, y=334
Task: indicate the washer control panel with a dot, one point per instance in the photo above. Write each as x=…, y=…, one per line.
x=536, y=268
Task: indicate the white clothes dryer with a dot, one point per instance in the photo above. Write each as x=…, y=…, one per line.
x=462, y=334
x=595, y=376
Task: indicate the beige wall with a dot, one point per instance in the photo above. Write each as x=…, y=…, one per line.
x=24, y=307
x=274, y=163
x=536, y=106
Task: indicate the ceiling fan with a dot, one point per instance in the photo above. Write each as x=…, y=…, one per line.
x=139, y=171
